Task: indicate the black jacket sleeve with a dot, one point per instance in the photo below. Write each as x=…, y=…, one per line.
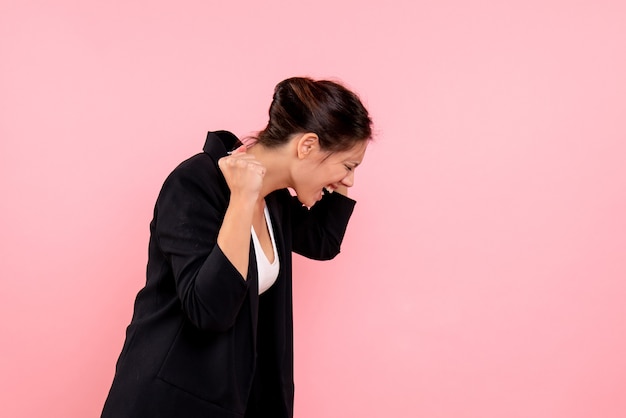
x=188, y=217
x=318, y=232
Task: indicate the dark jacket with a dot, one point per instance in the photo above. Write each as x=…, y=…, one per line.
x=202, y=342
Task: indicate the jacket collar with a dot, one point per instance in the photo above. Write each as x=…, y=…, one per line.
x=218, y=143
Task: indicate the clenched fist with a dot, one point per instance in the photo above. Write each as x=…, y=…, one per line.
x=243, y=173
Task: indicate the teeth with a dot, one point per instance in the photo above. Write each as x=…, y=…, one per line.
x=329, y=189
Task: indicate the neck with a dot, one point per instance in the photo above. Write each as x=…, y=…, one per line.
x=276, y=163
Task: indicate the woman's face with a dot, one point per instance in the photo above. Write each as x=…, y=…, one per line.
x=320, y=170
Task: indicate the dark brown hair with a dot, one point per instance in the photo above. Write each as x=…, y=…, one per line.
x=323, y=107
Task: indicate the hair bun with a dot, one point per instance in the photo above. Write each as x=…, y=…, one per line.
x=326, y=108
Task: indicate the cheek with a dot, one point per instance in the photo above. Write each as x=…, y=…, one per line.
x=340, y=174
x=332, y=173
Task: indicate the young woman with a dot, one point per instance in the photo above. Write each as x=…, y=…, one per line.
x=211, y=334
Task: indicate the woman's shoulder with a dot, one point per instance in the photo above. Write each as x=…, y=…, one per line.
x=198, y=177
x=203, y=164
x=198, y=167
x=200, y=174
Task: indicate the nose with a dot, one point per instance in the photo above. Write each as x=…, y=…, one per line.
x=348, y=180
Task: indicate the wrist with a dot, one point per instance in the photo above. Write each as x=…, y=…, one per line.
x=243, y=199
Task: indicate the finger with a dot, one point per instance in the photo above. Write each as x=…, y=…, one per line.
x=253, y=165
x=230, y=159
x=239, y=163
x=241, y=156
x=241, y=150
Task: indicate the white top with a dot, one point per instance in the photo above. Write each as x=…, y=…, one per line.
x=268, y=272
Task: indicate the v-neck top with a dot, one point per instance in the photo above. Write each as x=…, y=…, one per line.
x=268, y=272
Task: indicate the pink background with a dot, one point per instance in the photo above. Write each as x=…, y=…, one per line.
x=483, y=274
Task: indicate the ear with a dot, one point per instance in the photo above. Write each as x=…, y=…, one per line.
x=307, y=144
